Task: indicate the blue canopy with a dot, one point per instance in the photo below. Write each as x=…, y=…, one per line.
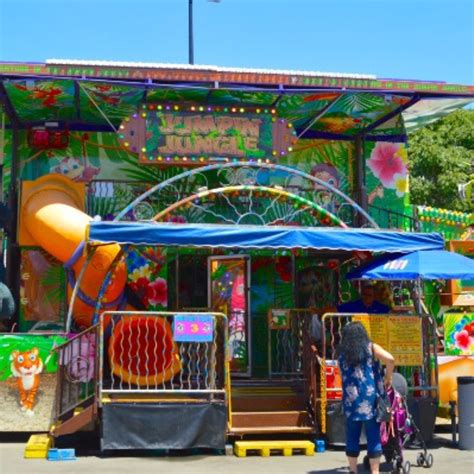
x=424, y=264
x=259, y=237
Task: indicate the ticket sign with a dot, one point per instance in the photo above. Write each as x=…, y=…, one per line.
x=400, y=335
x=279, y=319
x=193, y=328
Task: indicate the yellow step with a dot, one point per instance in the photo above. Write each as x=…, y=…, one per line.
x=265, y=447
x=37, y=446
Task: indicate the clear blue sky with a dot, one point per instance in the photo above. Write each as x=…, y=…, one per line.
x=412, y=39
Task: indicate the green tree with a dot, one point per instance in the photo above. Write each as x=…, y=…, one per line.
x=441, y=157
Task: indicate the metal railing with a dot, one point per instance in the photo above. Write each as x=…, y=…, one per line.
x=388, y=219
x=163, y=353
x=422, y=379
x=77, y=371
x=288, y=335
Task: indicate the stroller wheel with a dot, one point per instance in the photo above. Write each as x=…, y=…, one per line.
x=429, y=461
x=396, y=467
x=406, y=467
x=420, y=459
x=366, y=462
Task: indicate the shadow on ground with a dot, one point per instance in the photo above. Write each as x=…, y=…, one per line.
x=384, y=468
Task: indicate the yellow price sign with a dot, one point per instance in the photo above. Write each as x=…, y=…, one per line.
x=400, y=335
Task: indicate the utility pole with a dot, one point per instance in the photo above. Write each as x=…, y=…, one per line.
x=190, y=32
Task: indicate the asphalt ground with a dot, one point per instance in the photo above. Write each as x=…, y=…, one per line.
x=447, y=459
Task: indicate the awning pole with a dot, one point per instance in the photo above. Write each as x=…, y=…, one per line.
x=361, y=192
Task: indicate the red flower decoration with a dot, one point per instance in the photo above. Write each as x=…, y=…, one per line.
x=140, y=288
x=260, y=262
x=155, y=255
x=159, y=292
x=470, y=329
x=154, y=293
x=462, y=339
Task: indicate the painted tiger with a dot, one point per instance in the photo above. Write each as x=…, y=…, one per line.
x=27, y=367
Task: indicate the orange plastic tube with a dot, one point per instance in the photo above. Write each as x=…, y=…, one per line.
x=52, y=216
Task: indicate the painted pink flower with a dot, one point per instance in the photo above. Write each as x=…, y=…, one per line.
x=462, y=340
x=158, y=292
x=385, y=163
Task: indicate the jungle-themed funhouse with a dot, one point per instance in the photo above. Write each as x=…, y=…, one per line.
x=174, y=238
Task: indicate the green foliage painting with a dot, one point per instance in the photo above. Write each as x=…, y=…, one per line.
x=271, y=284
x=42, y=100
x=23, y=343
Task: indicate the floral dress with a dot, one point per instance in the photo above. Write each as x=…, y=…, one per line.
x=360, y=387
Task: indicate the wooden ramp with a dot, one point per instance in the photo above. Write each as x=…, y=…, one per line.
x=77, y=419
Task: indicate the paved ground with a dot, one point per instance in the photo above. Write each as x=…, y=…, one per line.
x=447, y=459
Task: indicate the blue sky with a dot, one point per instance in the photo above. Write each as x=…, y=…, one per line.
x=410, y=39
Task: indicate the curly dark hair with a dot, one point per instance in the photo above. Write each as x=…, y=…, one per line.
x=355, y=344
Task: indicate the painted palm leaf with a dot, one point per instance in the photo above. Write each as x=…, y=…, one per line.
x=109, y=147
x=98, y=101
x=54, y=281
x=101, y=206
x=222, y=96
x=360, y=102
x=170, y=95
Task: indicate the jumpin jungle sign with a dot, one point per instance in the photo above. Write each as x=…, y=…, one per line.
x=196, y=135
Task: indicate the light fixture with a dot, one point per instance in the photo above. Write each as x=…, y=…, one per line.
x=48, y=138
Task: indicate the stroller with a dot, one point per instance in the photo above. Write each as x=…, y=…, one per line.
x=399, y=431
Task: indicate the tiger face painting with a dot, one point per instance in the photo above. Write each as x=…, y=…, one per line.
x=27, y=367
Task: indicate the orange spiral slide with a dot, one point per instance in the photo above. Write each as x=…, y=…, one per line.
x=51, y=217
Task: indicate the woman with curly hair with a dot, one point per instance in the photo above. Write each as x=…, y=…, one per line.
x=358, y=359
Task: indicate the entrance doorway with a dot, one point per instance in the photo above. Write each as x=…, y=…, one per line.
x=229, y=293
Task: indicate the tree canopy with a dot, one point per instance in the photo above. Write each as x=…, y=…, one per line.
x=441, y=157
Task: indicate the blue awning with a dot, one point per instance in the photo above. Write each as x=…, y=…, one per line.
x=259, y=237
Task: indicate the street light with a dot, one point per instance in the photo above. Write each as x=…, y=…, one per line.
x=190, y=29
